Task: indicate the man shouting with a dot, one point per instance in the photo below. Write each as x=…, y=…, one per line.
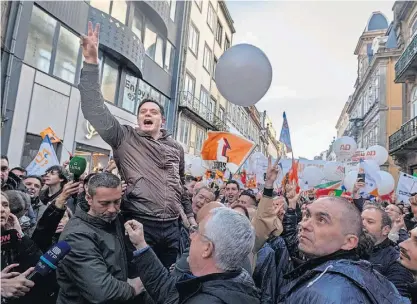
x=148, y=159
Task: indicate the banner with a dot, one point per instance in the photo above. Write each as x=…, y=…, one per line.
x=407, y=184
x=45, y=158
x=227, y=148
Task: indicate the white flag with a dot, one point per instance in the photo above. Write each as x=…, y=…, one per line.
x=45, y=158
x=407, y=184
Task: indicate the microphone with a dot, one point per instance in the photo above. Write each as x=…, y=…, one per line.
x=77, y=166
x=49, y=260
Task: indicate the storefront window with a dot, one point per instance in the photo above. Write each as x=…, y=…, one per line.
x=31, y=149
x=144, y=90
x=39, y=43
x=129, y=95
x=97, y=158
x=66, y=55
x=109, y=80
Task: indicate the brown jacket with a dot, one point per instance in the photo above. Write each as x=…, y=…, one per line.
x=153, y=169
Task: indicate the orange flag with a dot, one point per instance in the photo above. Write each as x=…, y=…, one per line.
x=52, y=136
x=227, y=148
x=292, y=176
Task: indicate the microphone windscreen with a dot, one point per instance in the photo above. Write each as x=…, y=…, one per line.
x=50, y=259
x=77, y=166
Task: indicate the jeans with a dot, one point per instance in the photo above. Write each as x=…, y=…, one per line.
x=163, y=237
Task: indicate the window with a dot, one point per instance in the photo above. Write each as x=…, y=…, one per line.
x=204, y=100
x=119, y=10
x=199, y=139
x=172, y=9
x=40, y=40
x=116, y=9
x=413, y=30
x=137, y=24
x=221, y=114
x=66, y=55
x=184, y=131
x=226, y=44
x=154, y=44
x=48, y=39
x=129, y=95
x=211, y=109
x=169, y=57
x=109, y=80
x=193, y=39
x=211, y=17
x=219, y=33
x=413, y=111
x=189, y=84
x=376, y=85
x=207, y=58
x=213, y=71
x=199, y=4
x=102, y=5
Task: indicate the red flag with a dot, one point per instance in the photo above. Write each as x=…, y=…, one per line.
x=292, y=176
x=243, y=177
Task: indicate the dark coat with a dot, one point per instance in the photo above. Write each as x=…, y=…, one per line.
x=283, y=260
x=265, y=274
x=341, y=281
x=384, y=258
x=163, y=288
x=96, y=269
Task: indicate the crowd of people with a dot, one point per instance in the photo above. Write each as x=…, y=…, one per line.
x=150, y=234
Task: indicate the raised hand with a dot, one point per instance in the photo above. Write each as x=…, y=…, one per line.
x=90, y=43
x=134, y=230
x=272, y=172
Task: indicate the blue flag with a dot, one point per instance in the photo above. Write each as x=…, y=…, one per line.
x=285, y=134
x=45, y=158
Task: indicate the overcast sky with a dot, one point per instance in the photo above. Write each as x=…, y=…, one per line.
x=310, y=45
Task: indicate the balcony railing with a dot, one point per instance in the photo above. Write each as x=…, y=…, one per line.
x=404, y=136
x=406, y=58
x=187, y=100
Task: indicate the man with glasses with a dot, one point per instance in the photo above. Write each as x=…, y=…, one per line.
x=384, y=256
x=398, y=232
x=219, y=247
x=201, y=197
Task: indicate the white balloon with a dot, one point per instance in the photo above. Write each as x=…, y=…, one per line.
x=243, y=74
x=350, y=180
x=197, y=168
x=378, y=154
x=344, y=148
x=333, y=171
x=386, y=183
x=312, y=176
x=372, y=164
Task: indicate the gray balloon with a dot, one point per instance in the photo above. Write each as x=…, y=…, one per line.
x=243, y=74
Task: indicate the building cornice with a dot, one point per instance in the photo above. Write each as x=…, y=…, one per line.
x=227, y=15
x=339, y=121
x=366, y=37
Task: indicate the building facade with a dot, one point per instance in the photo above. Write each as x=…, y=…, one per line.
x=42, y=59
x=403, y=143
x=375, y=107
x=343, y=121
x=209, y=33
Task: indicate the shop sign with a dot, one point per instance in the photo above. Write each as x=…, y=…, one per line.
x=90, y=130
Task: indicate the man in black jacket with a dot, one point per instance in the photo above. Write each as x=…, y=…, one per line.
x=219, y=246
x=96, y=269
x=384, y=256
